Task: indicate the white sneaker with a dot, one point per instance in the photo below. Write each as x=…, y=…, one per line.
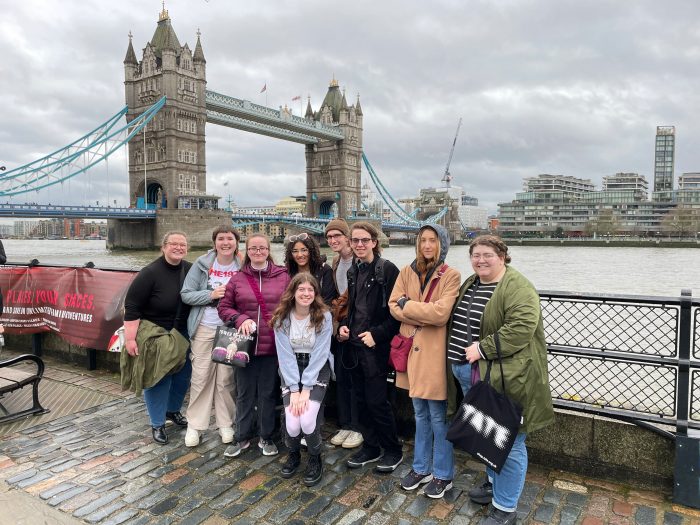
x=226, y=434
x=191, y=437
x=353, y=440
x=341, y=436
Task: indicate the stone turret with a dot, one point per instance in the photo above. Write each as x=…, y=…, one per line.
x=333, y=167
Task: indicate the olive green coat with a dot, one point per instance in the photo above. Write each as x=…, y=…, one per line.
x=514, y=312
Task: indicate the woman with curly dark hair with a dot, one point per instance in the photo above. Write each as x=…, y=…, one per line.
x=302, y=254
x=303, y=327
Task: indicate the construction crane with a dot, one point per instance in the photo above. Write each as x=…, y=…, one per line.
x=446, y=178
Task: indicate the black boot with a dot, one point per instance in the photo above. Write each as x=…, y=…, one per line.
x=291, y=464
x=314, y=470
x=159, y=435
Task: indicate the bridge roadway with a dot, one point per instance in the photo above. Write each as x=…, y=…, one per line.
x=51, y=211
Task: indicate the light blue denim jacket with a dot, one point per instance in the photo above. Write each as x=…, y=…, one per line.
x=195, y=290
x=321, y=352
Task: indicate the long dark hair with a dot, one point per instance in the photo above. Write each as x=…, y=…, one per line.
x=315, y=261
x=317, y=309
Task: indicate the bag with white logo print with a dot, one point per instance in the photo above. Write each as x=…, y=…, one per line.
x=487, y=421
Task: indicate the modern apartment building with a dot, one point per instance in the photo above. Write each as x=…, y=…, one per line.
x=664, y=158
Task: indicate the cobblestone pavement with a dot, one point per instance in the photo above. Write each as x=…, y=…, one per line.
x=100, y=466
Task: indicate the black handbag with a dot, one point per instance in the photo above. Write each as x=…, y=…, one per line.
x=232, y=347
x=487, y=421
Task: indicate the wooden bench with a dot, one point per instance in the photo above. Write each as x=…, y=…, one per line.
x=12, y=379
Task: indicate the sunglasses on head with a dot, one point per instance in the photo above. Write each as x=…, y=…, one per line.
x=300, y=237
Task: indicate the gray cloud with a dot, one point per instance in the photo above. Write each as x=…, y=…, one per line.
x=543, y=87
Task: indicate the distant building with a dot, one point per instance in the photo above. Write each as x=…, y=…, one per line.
x=689, y=181
x=371, y=202
x=290, y=205
x=24, y=229
x=664, y=158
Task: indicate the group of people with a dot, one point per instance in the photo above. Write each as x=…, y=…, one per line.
x=314, y=322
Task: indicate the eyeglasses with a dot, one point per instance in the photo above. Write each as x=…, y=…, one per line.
x=177, y=244
x=302, y=251
x=258, y=249
x=485, y=256
x=301, y=237
x=364, y=241
x=334, y=236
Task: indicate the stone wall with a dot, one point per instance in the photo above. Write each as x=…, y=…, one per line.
x=130, y=234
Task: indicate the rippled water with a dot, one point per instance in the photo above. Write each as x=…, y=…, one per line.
x=640, y=271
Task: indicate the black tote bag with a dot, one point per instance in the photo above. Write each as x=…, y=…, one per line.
x=487, y=421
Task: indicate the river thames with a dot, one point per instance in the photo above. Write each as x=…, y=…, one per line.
x=638, y=271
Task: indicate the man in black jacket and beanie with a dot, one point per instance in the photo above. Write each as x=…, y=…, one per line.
x=368, y=330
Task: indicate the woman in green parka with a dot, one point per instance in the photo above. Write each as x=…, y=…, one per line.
x=497, y=298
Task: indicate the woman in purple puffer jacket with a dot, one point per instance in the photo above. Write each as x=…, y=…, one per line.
x=240, y=307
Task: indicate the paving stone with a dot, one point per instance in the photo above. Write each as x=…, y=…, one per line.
x=66, y=495
x=161, y=471
x=188, y=506
x=378, y=518
x=386, y=486
x=460, y=520
x=215, y=489
x=259, y=510
x=234, y=510
x=340, y=485
x=331, y=514
x=552, y=496
x=180, y=483
x=671, y=518
x=133, y=497
x=645, y=516
x=110, y=485
x=212, y=465
x=283, y=495
x=452, y=495
x=164, y=506
x=394, y=502
x=315, y=507
x=282, y=514
x=37, y=478
x=254, y=496
x=544, y=512
x=56, y=490
x=197, y=517
x=579, y=500
x=153, y=499
x=103, y=477
x=418, y=507
x=96, y=504
x=131, y=465
x=121, y=517
x=352, y=517
x=470, y=508
x=102, y=513
x=225, y=499
x=523, y=510
x=22, y=476
x=569, y=515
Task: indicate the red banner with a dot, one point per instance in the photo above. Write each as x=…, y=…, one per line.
x=84, y=306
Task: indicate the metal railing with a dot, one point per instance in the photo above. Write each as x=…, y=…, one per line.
x=627, y=357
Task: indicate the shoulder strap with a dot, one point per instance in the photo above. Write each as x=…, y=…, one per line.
x=179, y=301
x=433, y=285
x=261, y=300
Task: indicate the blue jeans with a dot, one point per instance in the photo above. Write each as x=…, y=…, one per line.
x=167, y=394
x=432, y=453
x=463, y=373
x=508, y=485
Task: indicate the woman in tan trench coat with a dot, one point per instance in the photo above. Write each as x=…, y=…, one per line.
x=425, y=319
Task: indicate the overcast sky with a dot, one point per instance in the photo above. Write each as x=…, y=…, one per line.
x=544, y=86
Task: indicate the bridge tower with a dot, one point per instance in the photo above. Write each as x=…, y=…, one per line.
x=333, y=168
x=172, y=162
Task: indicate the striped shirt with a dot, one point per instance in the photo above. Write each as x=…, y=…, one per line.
x=464, y=313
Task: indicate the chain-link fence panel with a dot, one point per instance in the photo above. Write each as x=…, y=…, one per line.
x=644, y=388
x=623, y=327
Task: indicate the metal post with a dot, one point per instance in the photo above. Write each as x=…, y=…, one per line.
x=92, y=359
x=686, y=471
x=36, y=344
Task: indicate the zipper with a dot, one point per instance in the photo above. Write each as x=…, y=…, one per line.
x=257, y=338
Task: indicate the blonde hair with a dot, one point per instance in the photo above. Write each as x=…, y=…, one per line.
x=423, y=265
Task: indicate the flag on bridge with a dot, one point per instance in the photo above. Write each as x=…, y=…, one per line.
x=264, y=88
x=298, y=97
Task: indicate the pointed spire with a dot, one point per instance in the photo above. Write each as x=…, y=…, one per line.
x=343, y=102
x=334, y=82
x=130, y=55
x=358, y=108
x=163, y=14
x=198, y=53
x=309, y=112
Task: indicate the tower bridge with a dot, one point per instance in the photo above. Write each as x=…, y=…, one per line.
x=167, y=111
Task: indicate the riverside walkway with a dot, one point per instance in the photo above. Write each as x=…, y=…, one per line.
x=99, y=465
